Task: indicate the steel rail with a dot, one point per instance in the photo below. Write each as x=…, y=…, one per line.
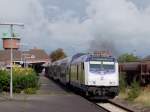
x=117, y=105
x=121, y=106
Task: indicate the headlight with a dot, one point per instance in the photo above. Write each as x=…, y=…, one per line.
x=111, y=82
x=94, y=82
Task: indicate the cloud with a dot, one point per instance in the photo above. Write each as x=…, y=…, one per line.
x=116, y=25
x=141, y=4
x=121, y=22
x=70, y=34
x=45, y=27
x=29, y=12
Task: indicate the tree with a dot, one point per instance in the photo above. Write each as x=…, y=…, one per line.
x=57, y=54
x=127, y=58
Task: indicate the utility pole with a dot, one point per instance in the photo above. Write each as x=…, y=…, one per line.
x=11, y=53
x=22, y=54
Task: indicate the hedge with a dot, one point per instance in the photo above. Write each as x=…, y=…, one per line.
x=23, y=78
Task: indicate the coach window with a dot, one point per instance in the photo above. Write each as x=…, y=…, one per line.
x=83, y=66
x=73, y=72
x=82, y=72
x=77, y=72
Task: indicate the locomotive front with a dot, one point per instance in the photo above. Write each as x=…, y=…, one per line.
x=102, y=75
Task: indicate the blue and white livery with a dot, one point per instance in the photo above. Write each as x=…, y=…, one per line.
x=96, y=75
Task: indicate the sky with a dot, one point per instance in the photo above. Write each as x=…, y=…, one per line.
x=76, y=26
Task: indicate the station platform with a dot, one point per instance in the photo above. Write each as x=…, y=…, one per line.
x=51, y=97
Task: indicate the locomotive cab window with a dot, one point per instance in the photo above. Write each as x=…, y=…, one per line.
x=95, y=66
x=102, y=65
x=108, y=65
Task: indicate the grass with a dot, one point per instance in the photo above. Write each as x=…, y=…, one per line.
x=144, y=97
x=30, y=91
x=134, y=91
x=123, y=95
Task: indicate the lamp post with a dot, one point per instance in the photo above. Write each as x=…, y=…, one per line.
x=22, y=54
x=25, y=57
x=11, y=53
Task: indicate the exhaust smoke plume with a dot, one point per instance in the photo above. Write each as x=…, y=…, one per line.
x=103, y=45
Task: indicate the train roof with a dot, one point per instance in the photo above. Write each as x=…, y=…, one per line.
x=87, y=57
x=65, y=61
x=83, y=57
x=56, y=62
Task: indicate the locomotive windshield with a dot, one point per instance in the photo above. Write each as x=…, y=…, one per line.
x=108, y=65
x=102, y=65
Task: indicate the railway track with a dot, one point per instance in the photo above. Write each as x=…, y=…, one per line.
x=111, y=106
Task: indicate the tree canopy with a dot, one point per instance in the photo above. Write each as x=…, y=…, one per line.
x=57, y=54
x=126, y=57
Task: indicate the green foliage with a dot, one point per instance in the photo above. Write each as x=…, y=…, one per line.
x=30, y=90
x=122, y=83
x=57, y=54
x=25, y=81
x=134, y=91
x=127, y=58
x=4, y=80
x=23, y=78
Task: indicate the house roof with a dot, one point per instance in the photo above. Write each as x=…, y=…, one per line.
x=5, y=55
x=35, y=55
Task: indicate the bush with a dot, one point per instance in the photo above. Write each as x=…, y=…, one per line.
x=122, y=83
x=126, y=57
x=30, y=91
x=4, y=80
x=23, y=78
x=134, y=91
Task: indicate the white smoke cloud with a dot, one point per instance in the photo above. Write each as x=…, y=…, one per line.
x=121, y=22
x=29, y=12
x=116, y=22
